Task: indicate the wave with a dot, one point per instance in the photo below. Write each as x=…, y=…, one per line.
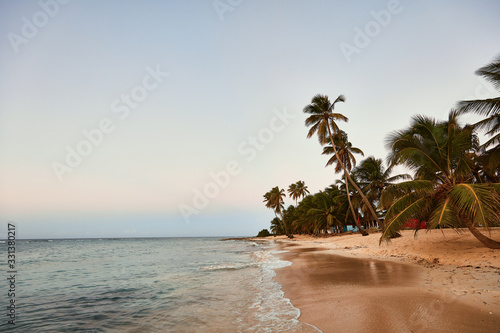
x=227, y=267
x=272, y=311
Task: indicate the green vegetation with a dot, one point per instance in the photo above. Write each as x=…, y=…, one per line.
x=264, y=233
x=297, y=190
x=274, y=200
x=456, y=180
x=345, y=152
x=446, y=192
x=322, y=121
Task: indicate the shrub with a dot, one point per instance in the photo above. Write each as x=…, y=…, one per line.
x=263, y=233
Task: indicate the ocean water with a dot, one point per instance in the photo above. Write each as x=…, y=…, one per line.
x=148, y=285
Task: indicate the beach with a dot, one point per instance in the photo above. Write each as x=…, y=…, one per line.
x=439, y=281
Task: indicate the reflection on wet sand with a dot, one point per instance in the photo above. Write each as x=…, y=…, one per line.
x=342, y=294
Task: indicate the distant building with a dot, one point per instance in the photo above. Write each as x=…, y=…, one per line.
x=413, y=223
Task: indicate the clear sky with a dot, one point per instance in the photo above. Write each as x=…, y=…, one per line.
x=173, y=118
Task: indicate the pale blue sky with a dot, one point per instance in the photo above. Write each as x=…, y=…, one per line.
x=226, y=81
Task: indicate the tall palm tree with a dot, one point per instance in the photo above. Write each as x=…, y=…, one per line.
x=297, y=190
x=274, y=200
x=490, y=108
x=346, y=152
x=322, y=121
x=442, y=193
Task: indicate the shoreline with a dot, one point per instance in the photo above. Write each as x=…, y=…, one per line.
x=441, y=281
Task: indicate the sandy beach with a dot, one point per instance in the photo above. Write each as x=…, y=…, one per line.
x=440, y=281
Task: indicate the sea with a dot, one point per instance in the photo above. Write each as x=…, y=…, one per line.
x=147, y=285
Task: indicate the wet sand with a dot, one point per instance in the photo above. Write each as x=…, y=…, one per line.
x=345, y=294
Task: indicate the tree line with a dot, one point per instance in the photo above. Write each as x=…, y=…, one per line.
x=455, y=180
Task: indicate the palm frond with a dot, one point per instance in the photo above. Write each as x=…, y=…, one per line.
x=480, y=203
x=395, y=191
x=399, y=177
x=444, y=215
x=401, y=211
x=485, y=107
x=491, y=72
x=341, y=98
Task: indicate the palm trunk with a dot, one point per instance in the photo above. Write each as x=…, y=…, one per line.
x=488, y=242
x=288, y=234
x=363, y=197
x=283, y=225
x=361, y=230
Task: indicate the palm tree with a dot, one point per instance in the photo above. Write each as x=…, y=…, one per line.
x=315, y=213
x=346, y=202
x=297, y=190
x=303, y=222
x=346, y=152
x=276, y=227
x=490, y=108
x=374, y=178
x=322, y=121
x=442, y=193
x=322, y=214
x=274, y=200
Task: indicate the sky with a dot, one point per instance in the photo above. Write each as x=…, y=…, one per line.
x=173, y=118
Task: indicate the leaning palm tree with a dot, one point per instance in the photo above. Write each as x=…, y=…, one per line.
x=274, y=200
x=490, y=108
x=322, y=121
x=442, y=193
x=346, y=152
x=297, y=190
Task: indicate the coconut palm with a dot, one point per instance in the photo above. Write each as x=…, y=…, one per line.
x=348, y=201
x=442, y=193
x=276, y=227
x=490, y=108
x=346, y=152
x=274, y=200
x=374, y=178
x=303, y=222
x=322, y=213
x=322, y=120
x=297, y=190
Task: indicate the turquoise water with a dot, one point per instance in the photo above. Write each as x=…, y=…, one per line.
x=149, y=285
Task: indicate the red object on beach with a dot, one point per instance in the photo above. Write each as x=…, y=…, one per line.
x=412, y=224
